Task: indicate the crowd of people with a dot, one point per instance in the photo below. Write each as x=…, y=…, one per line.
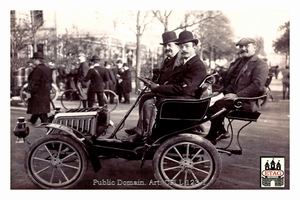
x=178, y=77
x=116, y=77
x=89, y=77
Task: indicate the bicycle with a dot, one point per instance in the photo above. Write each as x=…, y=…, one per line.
x=70, y=99
x=53, y=93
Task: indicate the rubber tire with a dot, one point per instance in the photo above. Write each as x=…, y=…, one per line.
x=62, y=99
x=54, y=92
x=192, y=139
x=106, y=100
x=71, y=144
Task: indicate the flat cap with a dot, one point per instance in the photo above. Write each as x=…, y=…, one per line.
x=245, y=41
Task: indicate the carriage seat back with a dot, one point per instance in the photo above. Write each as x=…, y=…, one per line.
x=183, y=109
x=205, y=88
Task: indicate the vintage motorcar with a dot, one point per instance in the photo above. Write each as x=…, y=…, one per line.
x=181, y=158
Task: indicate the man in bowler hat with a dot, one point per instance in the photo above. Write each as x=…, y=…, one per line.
x=39, y=86
x=183, y=80
x=160, y=77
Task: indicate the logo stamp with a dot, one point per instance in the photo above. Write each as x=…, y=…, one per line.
x=272, y=172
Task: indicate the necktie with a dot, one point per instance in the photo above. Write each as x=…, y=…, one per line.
x=178, y=63
x=167, y=59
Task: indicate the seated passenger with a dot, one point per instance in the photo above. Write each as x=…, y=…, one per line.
x=246, y=77
x=160, y=77
x=182, y=81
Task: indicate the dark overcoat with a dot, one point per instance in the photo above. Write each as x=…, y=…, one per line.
x=97, y=80
x=111, y=83
x=125, y=85
x=251, y=80
x=39, y=86
x=81, y=73
x=184, y=80
x=165, y=70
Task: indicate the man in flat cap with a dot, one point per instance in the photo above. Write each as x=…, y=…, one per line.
x=246, y=77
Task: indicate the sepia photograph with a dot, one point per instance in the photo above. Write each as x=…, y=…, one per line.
x=155, y=98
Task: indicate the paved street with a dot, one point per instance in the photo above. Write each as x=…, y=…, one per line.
x=267, y=137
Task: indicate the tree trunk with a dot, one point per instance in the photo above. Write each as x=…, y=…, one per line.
x=33, y=32
x=138, y=61
x=211, y=57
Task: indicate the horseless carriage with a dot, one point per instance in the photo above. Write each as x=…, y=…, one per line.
x=181, y=158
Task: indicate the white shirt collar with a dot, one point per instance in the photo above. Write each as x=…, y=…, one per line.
x=185, y=60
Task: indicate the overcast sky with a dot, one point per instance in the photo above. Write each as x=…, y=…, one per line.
x=265, y=23
x=245, y=23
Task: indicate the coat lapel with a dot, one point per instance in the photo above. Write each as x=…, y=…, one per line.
x=184, y=66
x=231, y=69
x=246, y=66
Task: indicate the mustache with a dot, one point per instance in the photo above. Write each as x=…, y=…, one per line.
x=168, y=50
x=242, y=51
x=184, y=53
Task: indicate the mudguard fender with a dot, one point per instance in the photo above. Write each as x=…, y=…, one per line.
x=86, y=144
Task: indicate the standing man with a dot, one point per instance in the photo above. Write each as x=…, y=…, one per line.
x=39, y=86
x=126, y=86
x=186, y=75
x=81, y=73
x=245, y=78
x=112, y=82
x=97, y=76
x=286, y=82
x=119, y=70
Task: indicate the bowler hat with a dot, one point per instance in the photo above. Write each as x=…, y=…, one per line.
x=94, y=58
x=37, y=55
x=186, y=36
x=167, y=37
x=245, y=41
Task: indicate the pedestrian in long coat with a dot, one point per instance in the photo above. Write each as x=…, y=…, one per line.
x=111, y=84
x=118, y=71
x=81, y=85
x=126, y=86
x=39, y=86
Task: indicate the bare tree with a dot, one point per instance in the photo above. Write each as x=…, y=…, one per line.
x=163, y=17
x=19, y=39
x=29, y=31
x=216, y=37
x=140, y=19
x=191, y=19
x=35, y=23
